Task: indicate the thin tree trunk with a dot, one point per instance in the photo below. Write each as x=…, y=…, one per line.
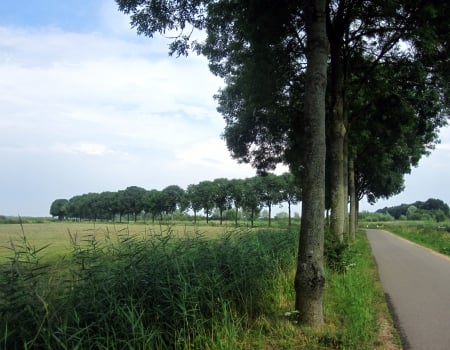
x=270, y=214
x=346, y=189
x=352, y=191
x=310, y=278
x=289, y=213
x=252, y=217
x=357, y=210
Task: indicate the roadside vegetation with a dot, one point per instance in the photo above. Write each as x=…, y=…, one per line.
x=425, y=223
x=178, y=287
x=430, y=234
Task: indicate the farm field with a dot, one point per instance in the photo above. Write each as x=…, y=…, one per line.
x=58, y=234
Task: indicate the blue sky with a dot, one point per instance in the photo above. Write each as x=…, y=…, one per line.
x=86, y=105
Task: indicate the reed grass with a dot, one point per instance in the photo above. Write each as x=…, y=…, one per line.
x=142, y=291
x=165, y=290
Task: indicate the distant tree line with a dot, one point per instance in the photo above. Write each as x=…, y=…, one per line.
x=249, y=195
x=430, y=209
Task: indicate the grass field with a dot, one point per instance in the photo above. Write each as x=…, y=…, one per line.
x=144, y=286
x=58, y=234
x=429, y=234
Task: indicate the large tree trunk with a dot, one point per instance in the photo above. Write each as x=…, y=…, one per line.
x=309, y=278
x=336, y=147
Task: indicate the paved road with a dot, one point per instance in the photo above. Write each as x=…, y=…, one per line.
x=417, y=284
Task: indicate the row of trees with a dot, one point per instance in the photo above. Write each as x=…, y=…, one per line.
x=365, y=80
x=249, y=194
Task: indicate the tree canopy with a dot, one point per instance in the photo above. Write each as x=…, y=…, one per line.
x=248, y=195
x=431, y=208
x=262, y=50
x=59, y=208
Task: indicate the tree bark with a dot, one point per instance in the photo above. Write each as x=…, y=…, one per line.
x=310, y=279
x=352, y=191
x=270, y=214
x=336, y=145
x=289, y=214
x=346, y=184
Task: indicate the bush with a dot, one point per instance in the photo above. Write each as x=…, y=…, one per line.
x=375, y=217
x=335, y=253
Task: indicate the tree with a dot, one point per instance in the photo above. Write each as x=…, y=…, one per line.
x=205, y=192
x=434, y=204
x=291, y=191
x=92, y=206
x=133, y=200
x=76, y=208
x=271, y=192
x=236, y=193
x=122, y=204
x=251, y=198
x=258, y=48
x=110, y=204
x=418, y=210
x=310, y=277
x=195, y=200
x=172, y=198
x=391, y=34
x=394, y=126
x=221, y=195
x=274, y=21
x=153, y=203
x=59, y=208
x=261, y=106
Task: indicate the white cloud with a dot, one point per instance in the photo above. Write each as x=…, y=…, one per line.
x=93, y=149
x=128, y=95
x=102, y=113
x=209, y=153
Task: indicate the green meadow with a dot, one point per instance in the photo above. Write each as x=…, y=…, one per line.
x=104, y=286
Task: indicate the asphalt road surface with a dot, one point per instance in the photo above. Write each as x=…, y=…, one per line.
x=416, y=282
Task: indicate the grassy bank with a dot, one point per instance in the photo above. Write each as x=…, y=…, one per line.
x=355, y=303
x=159, y=290
x=429, y=234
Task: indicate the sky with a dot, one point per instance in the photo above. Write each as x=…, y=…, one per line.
x=87, y=105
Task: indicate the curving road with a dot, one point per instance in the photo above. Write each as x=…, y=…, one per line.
x=416, y=282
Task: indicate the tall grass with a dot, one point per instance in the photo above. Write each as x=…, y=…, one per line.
x=157, y=290
x=353, y=297
x=429, y=234
x=149, y=291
